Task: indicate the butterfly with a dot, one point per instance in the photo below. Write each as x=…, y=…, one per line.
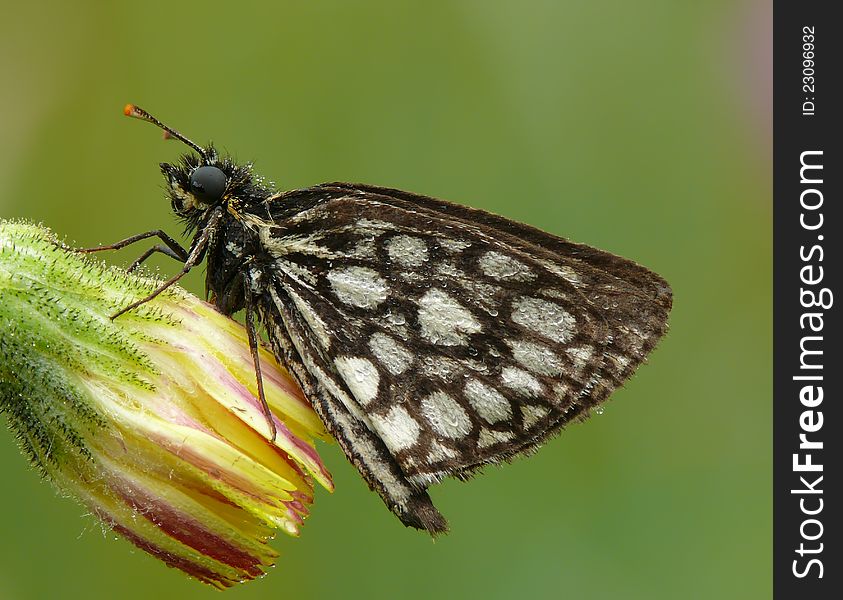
x=431, y=338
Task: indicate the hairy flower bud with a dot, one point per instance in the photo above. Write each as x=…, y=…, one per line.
x=151, y=420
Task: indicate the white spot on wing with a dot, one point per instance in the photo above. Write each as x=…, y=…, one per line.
x=364, y=249
x=452, y=245
x=489, y=403
x=358, y=286
x=279, y=246
x=360, y=376
x=439, y=452
x=490, y=437
x=445, y=321
x=521, y=381
x=535, y=357
x=531, y=414
x=397, y=428
x=392, y=355
x=545, y=318
x=563, y=271
x=580, y=355
x=445, y=415
x=500, y=266
x=407, y=251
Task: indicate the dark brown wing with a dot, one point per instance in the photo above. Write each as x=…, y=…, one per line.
x=446, y=337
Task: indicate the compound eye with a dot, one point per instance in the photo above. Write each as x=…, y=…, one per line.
x=207, y=184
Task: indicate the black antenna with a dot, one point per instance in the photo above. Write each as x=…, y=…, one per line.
x=130, y=110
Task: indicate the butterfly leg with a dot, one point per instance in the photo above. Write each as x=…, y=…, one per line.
x=171, y=248
x=253, y=347
x=197, y=253
x=156, y=248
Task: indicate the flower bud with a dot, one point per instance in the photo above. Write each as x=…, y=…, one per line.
x=151, y=420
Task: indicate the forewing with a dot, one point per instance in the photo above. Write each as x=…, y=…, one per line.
x=456, y=337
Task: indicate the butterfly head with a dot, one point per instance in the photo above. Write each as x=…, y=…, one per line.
x=195, y=184
x=201, y=179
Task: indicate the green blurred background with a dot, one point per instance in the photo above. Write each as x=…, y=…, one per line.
x=638, y=127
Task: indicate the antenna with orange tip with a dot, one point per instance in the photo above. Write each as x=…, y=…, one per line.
x=136, y=112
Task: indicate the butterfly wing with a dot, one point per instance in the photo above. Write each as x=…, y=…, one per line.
x=433, y=338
